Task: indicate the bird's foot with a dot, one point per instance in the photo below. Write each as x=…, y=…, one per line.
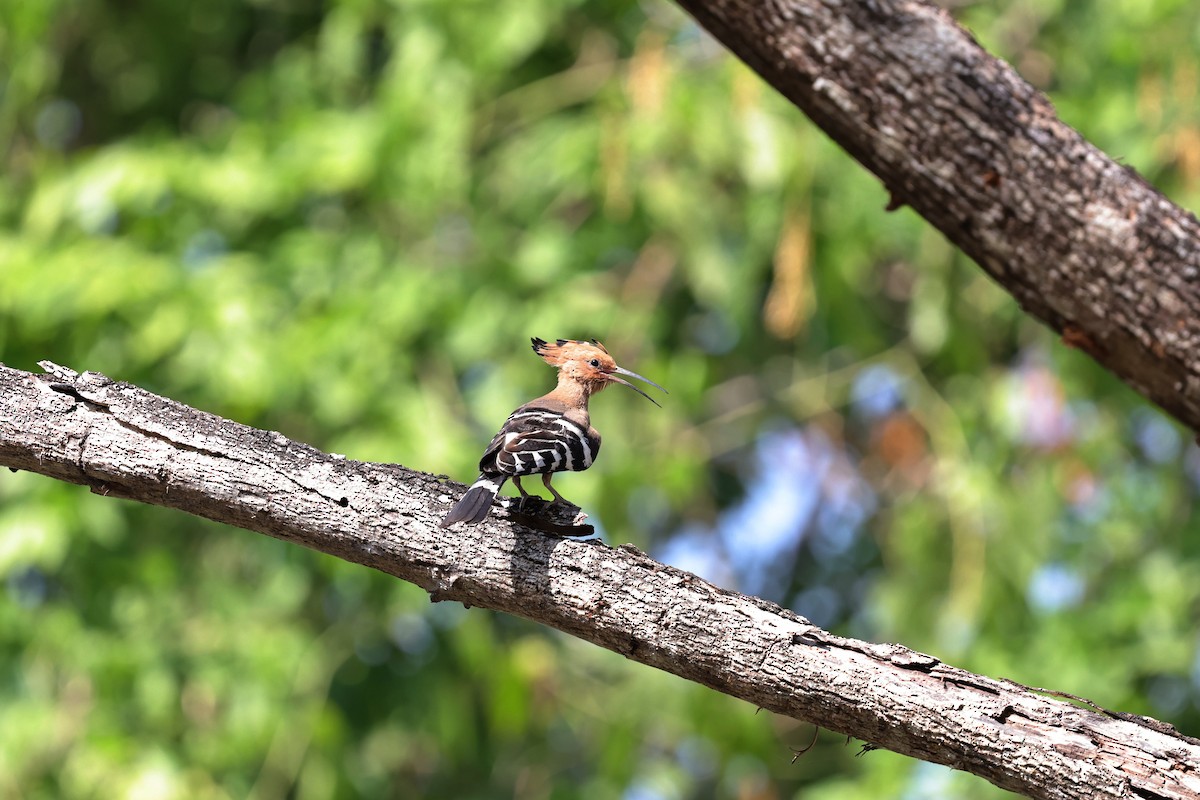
x=559, y=517
x=562, y=502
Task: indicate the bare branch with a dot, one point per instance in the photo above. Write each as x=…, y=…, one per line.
x=1082, y=242
x=122, y=441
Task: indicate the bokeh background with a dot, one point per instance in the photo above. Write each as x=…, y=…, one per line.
x=343, y=220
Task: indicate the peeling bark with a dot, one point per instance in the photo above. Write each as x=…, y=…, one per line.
x=1083, y=243
x=122, y=441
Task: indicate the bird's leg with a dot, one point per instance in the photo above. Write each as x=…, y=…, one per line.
x=524, y=494
x=558, y=498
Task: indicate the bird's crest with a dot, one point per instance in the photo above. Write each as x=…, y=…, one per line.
x=564, y=350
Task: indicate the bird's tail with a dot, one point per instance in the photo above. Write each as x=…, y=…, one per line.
x=474, y=506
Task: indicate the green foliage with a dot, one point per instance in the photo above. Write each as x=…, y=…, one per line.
x=343, y=221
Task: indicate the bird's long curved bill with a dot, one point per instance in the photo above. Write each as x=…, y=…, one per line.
x=623, y=382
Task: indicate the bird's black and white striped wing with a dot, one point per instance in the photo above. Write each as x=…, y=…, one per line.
x=539, y=440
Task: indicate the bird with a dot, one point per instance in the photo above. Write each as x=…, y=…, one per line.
x=550, y=434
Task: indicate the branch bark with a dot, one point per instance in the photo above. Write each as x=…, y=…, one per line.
x=122, y=441
x=1081, y=242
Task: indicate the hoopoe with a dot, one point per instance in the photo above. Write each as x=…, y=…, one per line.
x=550, y=434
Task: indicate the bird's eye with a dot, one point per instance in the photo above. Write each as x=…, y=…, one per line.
x=595, y=362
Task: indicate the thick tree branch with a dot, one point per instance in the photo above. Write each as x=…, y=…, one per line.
x=1081, y=242
x=122, y=441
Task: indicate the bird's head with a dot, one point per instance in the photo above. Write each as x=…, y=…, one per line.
x=589, y=364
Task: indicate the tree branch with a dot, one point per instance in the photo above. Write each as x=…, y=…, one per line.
x=1082, y=242
x=122, y=441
